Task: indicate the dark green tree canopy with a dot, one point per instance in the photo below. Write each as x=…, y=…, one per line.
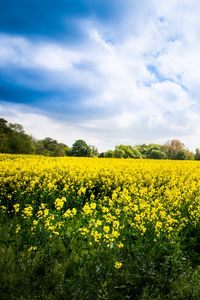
x=197, y=154
x=109, y=154
x=13, y=139
x=80, y=149
x=4, y=136
x=51, y=147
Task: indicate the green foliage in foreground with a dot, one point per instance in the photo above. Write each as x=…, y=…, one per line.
x=66, y=267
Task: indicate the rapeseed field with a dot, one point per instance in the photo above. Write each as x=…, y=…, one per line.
x=91, y=228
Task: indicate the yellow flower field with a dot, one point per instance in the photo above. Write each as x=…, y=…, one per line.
x=111, y=195
x=104, y=203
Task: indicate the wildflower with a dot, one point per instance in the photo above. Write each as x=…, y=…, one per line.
x=35, y=222
x=98, y=223
x=16, y=207
x=115, y=234
x=18, y=228
x=120, y=245
x=67, y=214
x=106, y=229
x=59, y=203
x=27, y=211
x=118, y=265
x=3, y=207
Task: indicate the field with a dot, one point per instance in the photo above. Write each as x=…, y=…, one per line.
x=88, y=228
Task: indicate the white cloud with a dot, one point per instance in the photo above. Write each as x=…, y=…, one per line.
x=27, y=54
x=145, y=104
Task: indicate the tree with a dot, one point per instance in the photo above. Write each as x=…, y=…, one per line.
x=109, y=154
x=4, y=125
x=150, y=151
x=40, y=148
x=4, y=136
x=175, y=149
x=119, y=153
x=16, y=139
x=126, y=150
x=189, y=154
x=136, y=153
x=101, y=155
x=16, y=128
x=154, y=151
x=197, y=154
x=51, y=147
x=21, y=143
x=157, y=154
x=143, y=150
x=80, y=149
x=94, y=151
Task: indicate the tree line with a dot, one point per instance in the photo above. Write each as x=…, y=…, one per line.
x=13, y=139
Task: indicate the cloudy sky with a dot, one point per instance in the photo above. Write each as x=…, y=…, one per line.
x=106, y=71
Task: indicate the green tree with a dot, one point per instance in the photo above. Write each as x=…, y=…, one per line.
x=94, y=151
x=4, y=136
x=101, y=155
x=125, y=151
x=143, y=150
x=197, y=154
x=150, y=151
x=80, y=149
x=136, y=153
x=17, y=128
x=109, y=154
x=51, y=147
x=19, y=141
x=119, y=153
x=157, y=154
x=40, y=148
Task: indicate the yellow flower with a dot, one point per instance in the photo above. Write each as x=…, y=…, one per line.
x=3, y=207
x=74, y=211
x=115, y=234
x=97, y=235
x=93, y=205
x=120, y=245
x=105, y=209
x=88, y=209
x=106, y=229
x=118, y=211
x=59, y=203
x=16, y=207
x=82, y=190
x=18, y=228
x=98, y=223
x=116, y=224
x=84, y=230
x=28, y=211
x=35, y=222
x=67, y=214
x=118, y=265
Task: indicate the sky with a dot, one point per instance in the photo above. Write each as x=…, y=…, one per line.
x=107, y=71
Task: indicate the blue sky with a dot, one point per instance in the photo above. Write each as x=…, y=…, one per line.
x=107, y=71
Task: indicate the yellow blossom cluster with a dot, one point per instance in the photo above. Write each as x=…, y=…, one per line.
x=109, y=199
